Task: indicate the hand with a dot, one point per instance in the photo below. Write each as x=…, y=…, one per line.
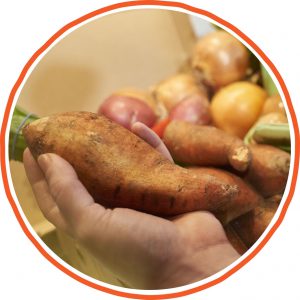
x=143, y=251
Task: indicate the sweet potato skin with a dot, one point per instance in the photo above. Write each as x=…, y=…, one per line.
x=250, y=227
x=200, y=145
x=229, y=180
x=121, y=170
x=269, y=170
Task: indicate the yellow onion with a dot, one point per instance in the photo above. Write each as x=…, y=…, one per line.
x=174, y=89
x=236, y=107
x=220, y=59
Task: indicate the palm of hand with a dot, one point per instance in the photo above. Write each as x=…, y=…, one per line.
x=151, y=243
x=142, y=250
x=134, y=245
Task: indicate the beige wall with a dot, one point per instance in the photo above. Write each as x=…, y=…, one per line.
x=134, y=48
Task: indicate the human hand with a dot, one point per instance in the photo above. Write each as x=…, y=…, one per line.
x=143, y=251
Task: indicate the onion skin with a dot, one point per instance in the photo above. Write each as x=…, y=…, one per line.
x=220, y=59
x=236, y=107
x=126, y=110
x=176, y=88
x=194, y=109
x=273, y=104
x=136, y=93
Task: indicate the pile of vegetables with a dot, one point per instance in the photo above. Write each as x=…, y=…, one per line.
x=223, y=122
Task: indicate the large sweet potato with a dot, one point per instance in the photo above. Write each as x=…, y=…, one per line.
x=121, y=170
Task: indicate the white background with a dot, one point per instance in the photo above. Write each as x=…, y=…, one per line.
x=273, y=273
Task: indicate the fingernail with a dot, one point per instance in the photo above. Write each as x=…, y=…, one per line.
x=43, y=161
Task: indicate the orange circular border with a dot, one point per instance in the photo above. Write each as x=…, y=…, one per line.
x=4, y=152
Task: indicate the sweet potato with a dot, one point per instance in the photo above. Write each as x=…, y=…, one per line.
x=121, y=170
x=205, y=146
x=269, y=169
x=235, y=239
x=250, y=227
x=228, y=180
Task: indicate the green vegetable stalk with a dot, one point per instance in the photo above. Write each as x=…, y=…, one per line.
x=17, y=143
x=268, y=83
x=277, y=135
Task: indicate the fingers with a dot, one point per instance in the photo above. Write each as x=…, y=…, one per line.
x=60, y=195
x=151, y=138
x=71, y=197
x=41, y=191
